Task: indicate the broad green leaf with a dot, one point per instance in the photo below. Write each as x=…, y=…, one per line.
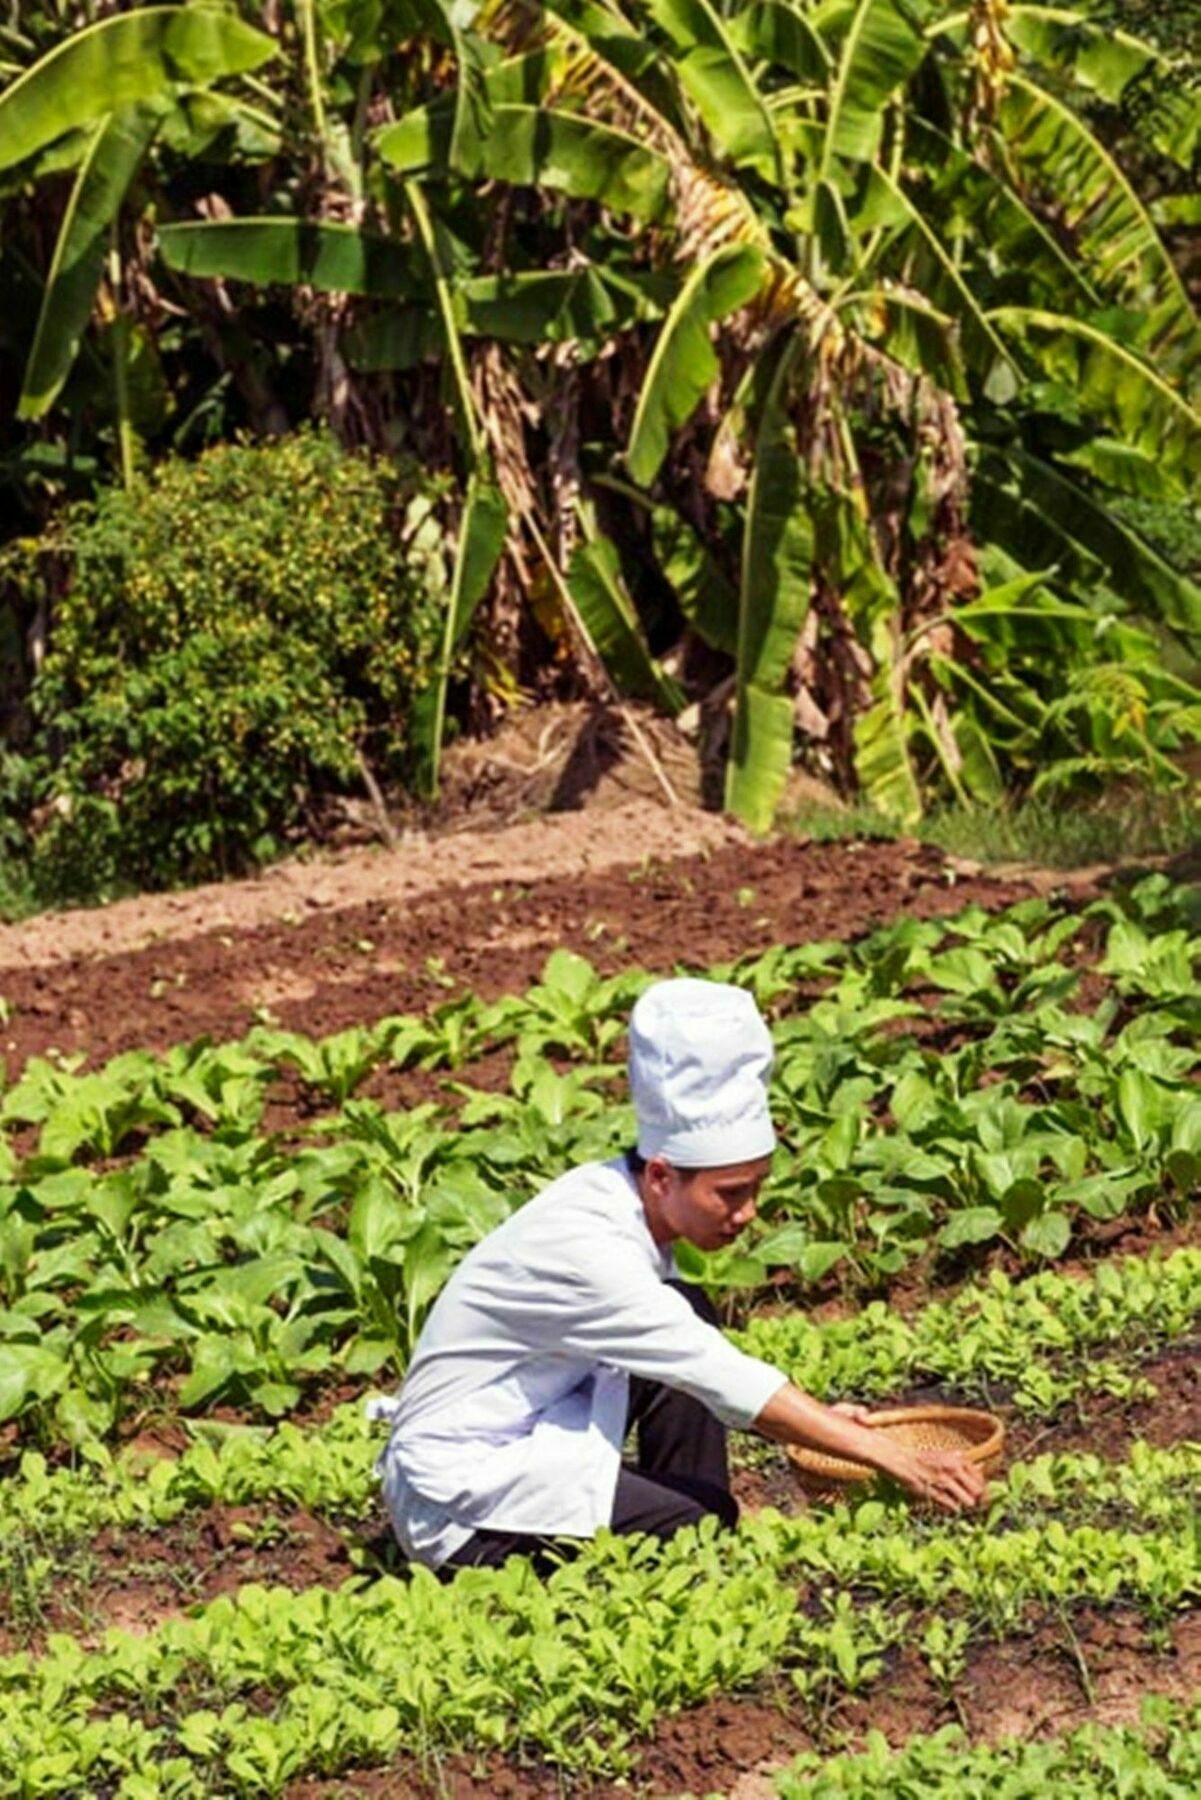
x=707, y=600
x=781, y=32
x=116, y=150
x=607, y=614
x=534, y=146
x=983, y=345
x=1041, y=516
x=423, y=138
x=777, y=573
x=471, y=110
x=1111, y=380
x=684, y=364
x=481, y=539
x=399, y=337
x=962, y=193
x=712, y=72
x=1109, y=61
x=875, y=55
x=331, y=257
x=1051, y=149
x=114, y=64
x=1048, y=1235
x=970, y=1225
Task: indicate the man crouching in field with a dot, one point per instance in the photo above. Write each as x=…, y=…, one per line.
x=568, y=1325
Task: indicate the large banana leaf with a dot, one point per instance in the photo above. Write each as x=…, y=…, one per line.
x=777, y=568
x=1109, y=61
x=545, y=146
x=707, y=600
x=598, y=594
x=983, y=346
x=122, y=60
x=877, y=48
x=1043, y=519
x=333, y=258
x=1111, y=381
x=439, y=254
x=1052, y=151
x=962, y=193
x=424, y=137
x=118, y=145
x=781, y=32
x=712, y=72
x=481, y=540
x=548, y=306
x=471, y=107
x=684, y=363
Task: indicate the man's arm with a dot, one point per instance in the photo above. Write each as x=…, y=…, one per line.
x=944, y=1476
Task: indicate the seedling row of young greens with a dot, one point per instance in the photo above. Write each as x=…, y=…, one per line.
x=575, y=1668
x=249, y=1270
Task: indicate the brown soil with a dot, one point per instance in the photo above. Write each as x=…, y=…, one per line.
x=332, y=954
x=135, y=1581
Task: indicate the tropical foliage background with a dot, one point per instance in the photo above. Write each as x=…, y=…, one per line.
x=824, y=371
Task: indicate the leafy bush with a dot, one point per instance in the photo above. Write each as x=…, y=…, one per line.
x=234, y=635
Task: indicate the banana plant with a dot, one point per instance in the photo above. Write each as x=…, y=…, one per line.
x=96, y=103
x=875, y=196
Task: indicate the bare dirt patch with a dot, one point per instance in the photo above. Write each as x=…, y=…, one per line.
x=321, y=966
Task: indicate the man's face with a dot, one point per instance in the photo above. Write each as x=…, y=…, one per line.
x=707, y=1207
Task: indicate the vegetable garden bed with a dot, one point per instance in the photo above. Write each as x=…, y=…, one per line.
x=210, y=1250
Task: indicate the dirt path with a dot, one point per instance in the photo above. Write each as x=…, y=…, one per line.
x=318, y=947
x=557, y=846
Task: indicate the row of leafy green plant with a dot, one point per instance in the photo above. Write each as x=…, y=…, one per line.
x=257, y=1269
x=1040, y=1344
x=1159, y=1755
x=330, y=1471
x=268, y=1685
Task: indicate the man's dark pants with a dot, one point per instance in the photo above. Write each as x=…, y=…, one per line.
x=681, y=1474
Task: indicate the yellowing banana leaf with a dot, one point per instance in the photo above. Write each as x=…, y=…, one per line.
x=118, y=145
x=114, y=64
x=684, y=363
x=331, y=257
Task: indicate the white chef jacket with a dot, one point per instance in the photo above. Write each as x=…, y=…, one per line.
x=513, y=1411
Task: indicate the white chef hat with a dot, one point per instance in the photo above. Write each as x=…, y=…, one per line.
x=700, y=1056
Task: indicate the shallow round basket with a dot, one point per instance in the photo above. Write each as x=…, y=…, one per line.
x=978, y=1434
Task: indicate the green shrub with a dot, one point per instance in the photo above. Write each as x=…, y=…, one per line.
x=235, y=633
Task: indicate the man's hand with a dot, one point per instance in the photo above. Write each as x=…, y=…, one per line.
x=945, y=1477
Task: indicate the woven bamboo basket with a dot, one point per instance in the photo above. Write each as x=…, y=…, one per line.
x=978, y=1434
